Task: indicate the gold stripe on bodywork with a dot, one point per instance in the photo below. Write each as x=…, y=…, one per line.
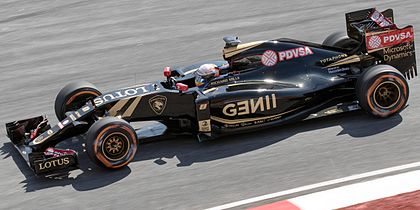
x=227, y=121
x=230, y=122
x=132, y=107
x=209, y=90
x=231, y=51
x=117, y=107
x=348, y=60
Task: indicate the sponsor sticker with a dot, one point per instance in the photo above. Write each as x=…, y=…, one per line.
x=54, y=163
x=294, y=53
x=43, y=137
x=204, y=125
x=203, y=106
x=158, y=104
x=269, y=58
x=337, y=69
x=398, y=52
x=72, y=117
x=380, y=19
x=60, y=125
x=38, y=139
x=124, y=93
x=375, y=42
x=386, y=39
x=224, y=81
x=250, y=106
x=85, y=108
x=332, y=59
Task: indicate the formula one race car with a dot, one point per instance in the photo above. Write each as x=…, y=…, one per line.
x=267, y=83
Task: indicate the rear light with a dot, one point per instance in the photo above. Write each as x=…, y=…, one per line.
x=167, y=71
x=181, y=87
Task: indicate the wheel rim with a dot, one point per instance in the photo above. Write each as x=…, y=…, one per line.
x=387, y=94
x=115, y=146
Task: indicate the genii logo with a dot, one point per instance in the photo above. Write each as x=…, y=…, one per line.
x=262, y=104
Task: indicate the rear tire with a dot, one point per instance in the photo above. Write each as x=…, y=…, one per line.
x=111, y=142
x=340, y=40
x=382, y=91
x=73, y=97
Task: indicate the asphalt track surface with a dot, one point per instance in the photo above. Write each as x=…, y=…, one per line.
x=46, y=44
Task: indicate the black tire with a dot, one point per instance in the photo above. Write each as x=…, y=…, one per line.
x=340, y=40
x=382, y=91
x=111, y=143
x=73, y=96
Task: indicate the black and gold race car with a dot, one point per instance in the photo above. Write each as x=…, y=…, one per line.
x=267, y=83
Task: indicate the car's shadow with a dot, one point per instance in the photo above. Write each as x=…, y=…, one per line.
x=188, y=151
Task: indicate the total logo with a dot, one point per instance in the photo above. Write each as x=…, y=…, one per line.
x=389, y=38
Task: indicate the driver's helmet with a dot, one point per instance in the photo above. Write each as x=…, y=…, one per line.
x=205, y=73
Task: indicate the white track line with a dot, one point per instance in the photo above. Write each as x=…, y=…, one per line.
x=314, y=186
x=360, y=192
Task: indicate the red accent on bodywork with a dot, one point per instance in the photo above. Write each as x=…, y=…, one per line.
x=181, y=86
x=34, y=133
x=51, y=151
x=380, y=40
x=167, y=71
x=380, y=19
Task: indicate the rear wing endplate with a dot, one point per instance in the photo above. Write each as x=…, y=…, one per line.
x=381, y=38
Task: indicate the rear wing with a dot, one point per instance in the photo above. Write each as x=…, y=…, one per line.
x=380, y=37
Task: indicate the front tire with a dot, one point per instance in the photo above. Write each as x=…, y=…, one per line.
x=382, y=91
x=111, y=143
x=73, y=97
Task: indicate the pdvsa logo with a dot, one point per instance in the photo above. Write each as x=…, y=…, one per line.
x=375, y=41
x=261, y=104
x=294, y=53
x=397, y=37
